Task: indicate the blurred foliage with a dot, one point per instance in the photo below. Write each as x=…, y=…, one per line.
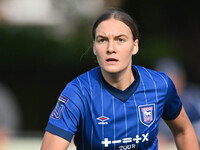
x=26, y=46
x=37, y=65
x=152, y=48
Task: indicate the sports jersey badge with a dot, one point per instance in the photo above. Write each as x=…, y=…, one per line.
x=103, y=120
x=60, y=106
x=147, y=114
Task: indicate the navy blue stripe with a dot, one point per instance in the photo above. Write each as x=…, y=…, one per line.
x=175, y=114
x=59, y=132
x=122, y=95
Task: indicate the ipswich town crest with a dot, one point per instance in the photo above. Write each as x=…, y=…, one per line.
x=147, y=114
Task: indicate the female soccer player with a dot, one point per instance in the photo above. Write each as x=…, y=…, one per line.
x=117, y=105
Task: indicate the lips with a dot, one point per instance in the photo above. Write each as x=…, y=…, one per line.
x=111, y=60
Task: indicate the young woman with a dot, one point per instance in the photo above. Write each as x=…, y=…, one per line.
x=117, y=105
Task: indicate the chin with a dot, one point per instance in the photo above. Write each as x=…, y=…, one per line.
x=111, y=70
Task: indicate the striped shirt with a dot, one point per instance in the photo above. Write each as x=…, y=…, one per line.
x=103, y=117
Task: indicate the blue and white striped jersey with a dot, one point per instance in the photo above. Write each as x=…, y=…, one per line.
x=104, y=117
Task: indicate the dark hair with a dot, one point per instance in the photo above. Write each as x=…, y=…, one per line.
x=120, y=15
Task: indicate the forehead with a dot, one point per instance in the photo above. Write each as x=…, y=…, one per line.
x=113, y=26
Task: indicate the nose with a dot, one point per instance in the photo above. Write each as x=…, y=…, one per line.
x=110, y=47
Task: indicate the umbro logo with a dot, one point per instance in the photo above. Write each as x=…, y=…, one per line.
x=103, y=120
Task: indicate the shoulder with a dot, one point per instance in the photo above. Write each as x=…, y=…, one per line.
x=152, y=78
x=147, y=73
x=86, y=78
x=82, y=82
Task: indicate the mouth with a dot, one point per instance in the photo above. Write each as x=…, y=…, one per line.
x=111, y=60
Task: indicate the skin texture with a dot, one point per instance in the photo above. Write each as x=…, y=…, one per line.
x=53, y=142
x=114, y=47
x=183, y=132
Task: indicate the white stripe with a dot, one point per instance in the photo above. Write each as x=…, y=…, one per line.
x=61, y=100
x=114, y=117
x=82, y=119
x=154, y=84
x=91, y=110
x=80, y=85
x=164, y=80
x=155, y=93
x=102, y=113
x=143, y=87
x=125, y=118
x=138, y=124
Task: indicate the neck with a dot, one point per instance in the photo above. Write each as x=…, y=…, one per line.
x=121, y=80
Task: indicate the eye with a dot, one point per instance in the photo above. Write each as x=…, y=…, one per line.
x=101, y=40
x=121, y=40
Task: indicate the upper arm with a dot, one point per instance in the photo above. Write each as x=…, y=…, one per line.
x=178, y=121
x=173, y=105
x=52, y=142
x=184, y=134
x=181, y=124
x=64, y=119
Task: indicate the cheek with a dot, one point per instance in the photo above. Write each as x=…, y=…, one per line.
x=98, y=50
x=94, y=51
x=126, y=57
x=127, y=53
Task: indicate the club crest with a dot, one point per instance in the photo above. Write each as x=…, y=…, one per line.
x=147, y=114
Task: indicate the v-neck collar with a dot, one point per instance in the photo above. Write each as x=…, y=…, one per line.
x=121, y=95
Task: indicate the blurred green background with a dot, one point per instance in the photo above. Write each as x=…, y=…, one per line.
x=39, y=57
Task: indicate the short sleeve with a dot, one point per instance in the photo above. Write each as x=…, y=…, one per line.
x=173, y=103
x=64, y=119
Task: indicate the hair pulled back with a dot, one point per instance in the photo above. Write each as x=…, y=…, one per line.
x=120, y=15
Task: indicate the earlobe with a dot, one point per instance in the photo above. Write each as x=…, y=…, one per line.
x=135, y=47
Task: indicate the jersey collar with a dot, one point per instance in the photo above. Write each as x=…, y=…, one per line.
x=119, y=94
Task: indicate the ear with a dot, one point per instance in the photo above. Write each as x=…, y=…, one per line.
x=93, y=48
x=135, y=47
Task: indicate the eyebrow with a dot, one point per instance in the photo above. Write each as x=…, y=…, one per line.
x=100, y=36
x=120, y=35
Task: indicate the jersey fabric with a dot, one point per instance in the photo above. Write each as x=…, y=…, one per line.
x=103, y=117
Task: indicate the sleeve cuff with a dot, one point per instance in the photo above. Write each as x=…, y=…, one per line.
x=172, y=117
x=59, y=132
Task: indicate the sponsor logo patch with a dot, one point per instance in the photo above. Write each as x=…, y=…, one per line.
x=147, y=114
x=137, y=139
x=103, y=120
x=60, y=106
